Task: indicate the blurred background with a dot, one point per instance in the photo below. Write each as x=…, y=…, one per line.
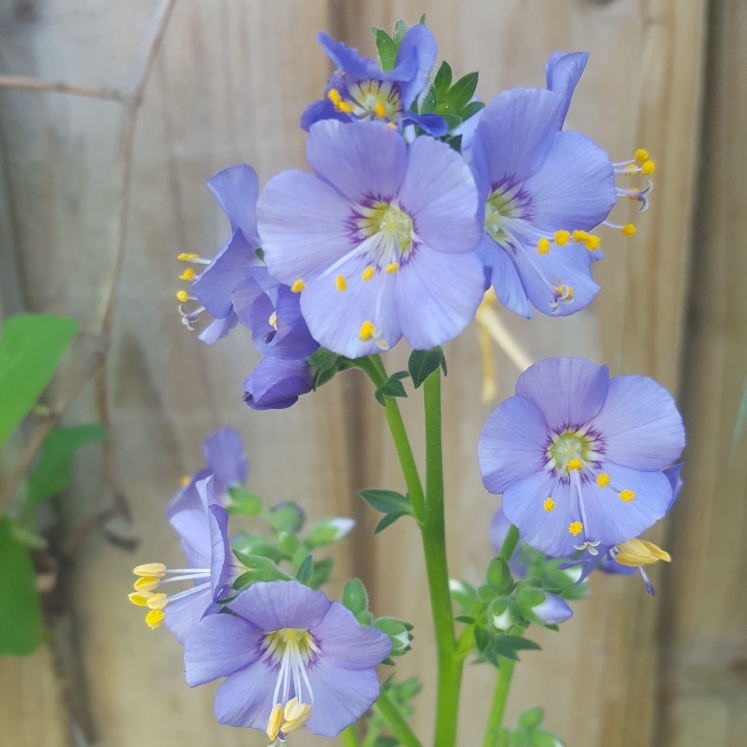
x=99, y=192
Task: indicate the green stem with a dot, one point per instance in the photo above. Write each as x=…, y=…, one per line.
x=350, y=737
x=395, y=720
x=509, y=544
x=434, y=544
x=500, y=696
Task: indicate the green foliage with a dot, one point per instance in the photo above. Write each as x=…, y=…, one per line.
x=321, y=573
x=258, y=569
x=392, y=387
x=20, y=611
x=528, y=733
x=387, y=502
x=243, y=502
x=52, y=473
x=499, y=574
x=325, y=364
x=401, y=695
x=423, y=363
x=30, y=349
x=386, y=48
x=303, y=574
x=354, y=596
x=287, y=516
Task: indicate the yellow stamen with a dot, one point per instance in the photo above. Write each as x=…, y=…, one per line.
x=631, y=169
x=593, y=242
x=184, y=481
x=366, y=332
x=150, y=569
x=575, y=464
x=603, y=479
x=648, y=168
x=183, y=296
x=626, y=495
x=629, y=230
x=543, y=246
x=188, y=274
x=368, y=273
x=549, y=505
x=334, y=96
x=579, y=236
x=641, y=155
x=139, y=598
x=157, y=601
x=380, y=110
x=273, y=723
x=393, y=267
x=154, y=618
x=296, y=715
x=147, y=583
x=341, y=283
x=392, y=125
x=187, y=257
x=562, y=237
x=273, y=320
x=298, y=286
x=575, y=528
x=640, y=552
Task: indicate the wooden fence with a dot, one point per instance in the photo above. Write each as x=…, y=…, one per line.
x=228, y=86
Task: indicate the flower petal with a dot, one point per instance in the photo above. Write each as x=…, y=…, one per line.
x=276, y=384
x=513, y=444
x=437, y=295
x=504, y=277
x=568, y=391
x=554, y=610
x=218, y=329
x=562, y=73
x=418, y=42
x=640, y=424
x=224, y=569
x=440, y=195
x=224, y=456
x=236, y=190
x=184, y=614
x=245, y=698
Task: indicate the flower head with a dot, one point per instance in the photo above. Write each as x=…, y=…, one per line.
x=360, y=90
x=554, y=610
x=211, y=569
x=291, y=657
x=578, y=456
x=276, y=384
x=378, y=241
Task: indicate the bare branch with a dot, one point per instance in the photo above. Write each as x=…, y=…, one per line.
x=26, y=83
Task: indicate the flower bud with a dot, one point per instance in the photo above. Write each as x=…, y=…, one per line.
x=276, y=384
x=553, y=610
x=328, y=531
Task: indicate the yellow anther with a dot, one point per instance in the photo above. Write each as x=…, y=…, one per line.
x=296, y=715
x=575, y=528
x=641, y=155
x=298, y=286
x=154, y=618
x=562, y=237
x=631, y=169
x=640, y=552
x=147, y=583
x=368, y=273
x=185, y=480
x=626, y=495
x=367, y=330
x=393, y=267
x=593, y=242
x=334, y=96
x=648, y=168
x=344, y=107
x=575, y=464
x=392, y=125
x=380, y=110
x=187, y=257
x=273, y=320
x=273, y=723
x=188, y=274
x=157, y=601
x=139, y=598
x=579, y=236
x=183, y=296
x=549, y=505
x=629, y=230
x=603, y=479
x=150, y=569
x=543, y=246
x=341, y=283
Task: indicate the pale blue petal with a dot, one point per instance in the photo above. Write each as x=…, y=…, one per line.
x=418, y=42
x=183, y=615
x=673, y=474
x=224, y=456
x=245, y=698
x=218, y=329
x=554, y=610
x=562, y=73
x=236, y=190
x=504, y=277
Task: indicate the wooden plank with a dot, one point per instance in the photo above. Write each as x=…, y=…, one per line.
x=598, y=678
x=705, y=639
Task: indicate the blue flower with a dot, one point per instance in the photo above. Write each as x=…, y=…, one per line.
x=554, y=610
x=360, y=91
x=578, y=456
x=202, y=526
x=543, y=190
x=276, y=384
x=291, y=657
x=378, y=241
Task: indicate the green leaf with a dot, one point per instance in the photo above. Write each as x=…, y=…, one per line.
x=423, y=363
x=389, y=519
x=386, y=48
x=462, y=92
x=256, y=544
x=466, y=619
x=20, y=611
x=354, y=596
x=243, y=502
x=470, y=110
x=386, y=501
x=321, y=573
x=532, y=718
x=421, y=22
x=482, y=638
x=52, y=473
x=258, y=569
x=30, y=349
x=392, y=387
x=442, y=81
x=303, y=574
x=507, y=646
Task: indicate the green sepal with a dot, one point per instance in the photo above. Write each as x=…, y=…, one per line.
x=325, y=364
x=386, y=501
x=259, y=568
x=392, y=387
x=482, y=638
x=243, y=502
x=287, y=516
x=256, y=544
x=303, y=574
x=461, y=93
x=400, y=29
x=321, y=573
x=260, y=253
x=386, y=48
x=499, y=574
x=463, y=594
x=354, y=596
x=442, y=81
x=365, y=618
x=470, y=110
x=466, y=619
x=423, y=363
x=389, y=519
x=289, y=544
x=532, y=718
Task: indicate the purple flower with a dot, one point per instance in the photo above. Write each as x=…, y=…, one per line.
x=578, y=456
x=553, y=611
x=225, y=461
x=542, y=189
x=276, y=384
x=211, y=567
x=360, y=91
x=378, y=240
x=291, y=657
